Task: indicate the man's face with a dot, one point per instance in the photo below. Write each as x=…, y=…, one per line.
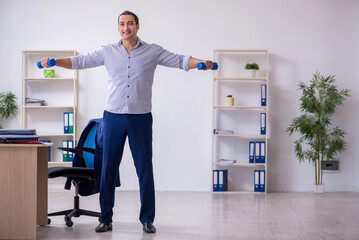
x=127, y=27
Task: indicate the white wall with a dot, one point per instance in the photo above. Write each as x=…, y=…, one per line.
x=301, y=36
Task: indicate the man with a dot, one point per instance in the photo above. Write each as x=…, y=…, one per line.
x=131, y=64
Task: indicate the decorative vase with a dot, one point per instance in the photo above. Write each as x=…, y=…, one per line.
x=229, y=101
x=252, y=73
x=318, y=188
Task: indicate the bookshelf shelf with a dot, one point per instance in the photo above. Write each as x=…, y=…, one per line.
x=56, y=135
x=246, y=136
x=241, y=79
x=48, y=79
x=242, y=107
x=60, y=94
x=239, y=192
x=240, y=164
x=59, y=164
x=240, y=124
x=48, y=107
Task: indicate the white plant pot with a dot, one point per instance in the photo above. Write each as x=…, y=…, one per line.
x=229, y=101
x=318, y=188
x=252, y=73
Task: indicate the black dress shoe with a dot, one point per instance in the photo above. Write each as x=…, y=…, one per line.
x=104, y=227
x=149, y=228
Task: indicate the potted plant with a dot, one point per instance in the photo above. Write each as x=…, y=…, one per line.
x=8, y=105
x=252, y=67
x=229, y=100
x=318, y=140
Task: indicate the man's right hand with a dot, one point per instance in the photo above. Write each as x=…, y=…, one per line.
x=44, y=62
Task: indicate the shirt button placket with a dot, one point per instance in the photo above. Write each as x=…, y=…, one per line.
x=128, y=81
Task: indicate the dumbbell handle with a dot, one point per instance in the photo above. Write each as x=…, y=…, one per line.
x=51, y=62
x=202, y=65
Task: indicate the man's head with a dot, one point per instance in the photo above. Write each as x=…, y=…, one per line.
x=128, y=25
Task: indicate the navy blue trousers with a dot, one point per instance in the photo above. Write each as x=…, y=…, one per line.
x=138, y=128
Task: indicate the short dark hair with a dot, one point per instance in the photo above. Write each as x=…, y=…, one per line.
x=129, y=13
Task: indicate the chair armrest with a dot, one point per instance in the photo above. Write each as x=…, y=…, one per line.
x=78, y=150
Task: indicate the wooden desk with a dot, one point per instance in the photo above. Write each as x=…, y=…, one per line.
x=23, y=190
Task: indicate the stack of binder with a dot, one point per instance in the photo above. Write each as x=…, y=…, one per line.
x=259, y=180
x=68, y=122
x=257, y=152
x=18, y=136
x=220, y=180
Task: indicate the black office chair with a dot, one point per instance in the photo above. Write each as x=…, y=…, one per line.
x=82, y=174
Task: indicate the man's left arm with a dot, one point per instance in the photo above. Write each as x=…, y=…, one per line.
x=192, y=63
x=168, y=59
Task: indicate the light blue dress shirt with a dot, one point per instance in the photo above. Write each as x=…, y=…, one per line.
x=130, y=75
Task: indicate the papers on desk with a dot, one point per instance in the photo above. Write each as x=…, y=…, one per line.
x=18, y=136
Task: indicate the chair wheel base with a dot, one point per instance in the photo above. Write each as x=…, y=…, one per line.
x=68, y=221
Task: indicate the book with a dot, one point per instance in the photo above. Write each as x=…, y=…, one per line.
x=18, y=136
x=17, y=131
x=19, y=139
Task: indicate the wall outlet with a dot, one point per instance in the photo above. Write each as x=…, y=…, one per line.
x=331, y=165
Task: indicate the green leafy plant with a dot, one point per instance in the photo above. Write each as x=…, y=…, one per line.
x=318, y=140
x=8, y=105
x=253, y=66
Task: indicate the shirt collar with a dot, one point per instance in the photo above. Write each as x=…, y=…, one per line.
x=139, y=43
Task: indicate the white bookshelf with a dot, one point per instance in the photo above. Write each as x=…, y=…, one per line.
x=243, y=118
x=60, y=94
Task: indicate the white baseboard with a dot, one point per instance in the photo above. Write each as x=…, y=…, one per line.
x=309, y=188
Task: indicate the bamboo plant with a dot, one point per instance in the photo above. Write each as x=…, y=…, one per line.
x=318, y=140
x=8, y=105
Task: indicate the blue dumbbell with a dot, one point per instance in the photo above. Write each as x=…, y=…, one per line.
x=202, y=65
x=51, y=62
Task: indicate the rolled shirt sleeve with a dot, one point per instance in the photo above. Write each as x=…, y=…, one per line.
x=168, y=59
x=89, y=60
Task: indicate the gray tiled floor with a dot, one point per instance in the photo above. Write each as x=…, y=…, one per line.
x=207, y=216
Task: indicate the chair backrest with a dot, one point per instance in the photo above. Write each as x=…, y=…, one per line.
x=90, y=143
x=88, y=140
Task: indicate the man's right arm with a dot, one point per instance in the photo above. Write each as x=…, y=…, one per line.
x=60, y=62
x=89, y=60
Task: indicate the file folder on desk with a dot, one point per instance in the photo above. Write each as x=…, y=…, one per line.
x=251, y=152
x=263, y=95
x=263, y=123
